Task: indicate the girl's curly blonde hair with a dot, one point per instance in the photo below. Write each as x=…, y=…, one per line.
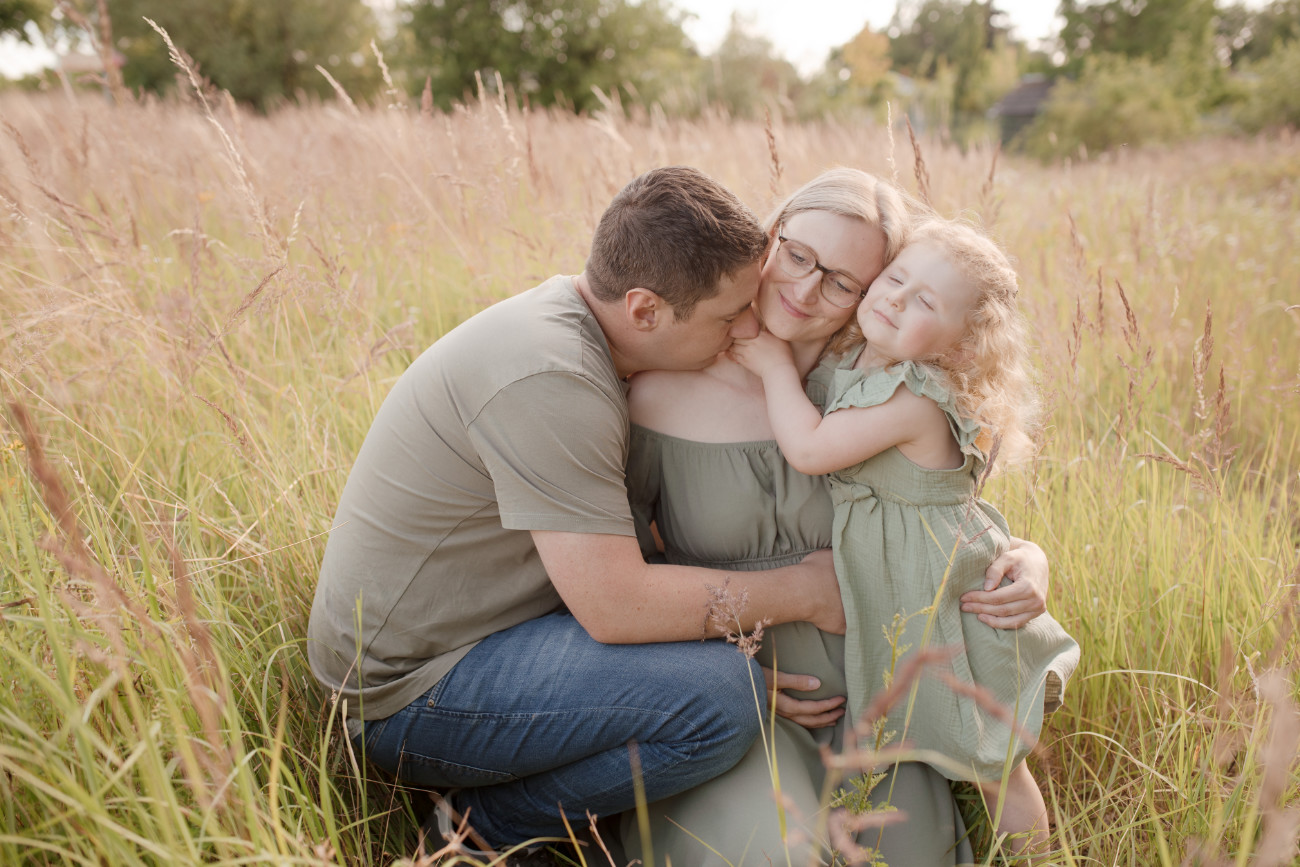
x=988, y=370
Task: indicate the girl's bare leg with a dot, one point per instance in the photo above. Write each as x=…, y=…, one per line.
x=1024, y=814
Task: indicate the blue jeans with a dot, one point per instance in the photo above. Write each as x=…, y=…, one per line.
x=537, y=718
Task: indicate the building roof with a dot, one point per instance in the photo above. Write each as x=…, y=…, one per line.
x=1025, y=100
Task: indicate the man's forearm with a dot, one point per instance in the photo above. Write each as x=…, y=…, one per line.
x=620, y=599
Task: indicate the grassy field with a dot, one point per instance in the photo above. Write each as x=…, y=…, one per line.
x=201, y=310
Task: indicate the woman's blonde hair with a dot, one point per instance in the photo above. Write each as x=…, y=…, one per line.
x=850, y=193
x=988, y=370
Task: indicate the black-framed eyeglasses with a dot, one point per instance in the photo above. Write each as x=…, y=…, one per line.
x=798, y=260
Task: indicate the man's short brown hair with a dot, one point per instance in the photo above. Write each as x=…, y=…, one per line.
x=675, y=231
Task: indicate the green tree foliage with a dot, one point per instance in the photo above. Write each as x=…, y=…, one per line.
x=1134, y=28
x=1249, y=34
x=550, y=50
x=745, y=73
x=259, y=51
x=16, y=14
x=960, y=49
x=1177, y=35
x=1116, y=101
x=1272, y=91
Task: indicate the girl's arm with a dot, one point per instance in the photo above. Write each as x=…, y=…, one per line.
x=814, y=444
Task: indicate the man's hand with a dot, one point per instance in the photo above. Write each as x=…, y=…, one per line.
x=809, y=713
x=824, y=591
x=1024, y=569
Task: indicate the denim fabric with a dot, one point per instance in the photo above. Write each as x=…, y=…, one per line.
x=539, y=716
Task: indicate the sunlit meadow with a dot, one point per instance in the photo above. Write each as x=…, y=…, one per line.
x=202, y=308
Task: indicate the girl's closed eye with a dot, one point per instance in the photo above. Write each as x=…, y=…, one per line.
x=926, y=302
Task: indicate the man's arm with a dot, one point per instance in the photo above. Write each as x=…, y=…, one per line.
x=620, y=599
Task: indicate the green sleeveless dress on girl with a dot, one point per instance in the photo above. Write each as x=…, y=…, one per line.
x=740, y=506
x=908, y=542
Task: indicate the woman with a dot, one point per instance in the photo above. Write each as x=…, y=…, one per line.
x=705, y=469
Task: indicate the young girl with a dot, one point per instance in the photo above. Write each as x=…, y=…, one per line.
x=933, y=374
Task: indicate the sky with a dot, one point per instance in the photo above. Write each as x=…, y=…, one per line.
x=803, y=31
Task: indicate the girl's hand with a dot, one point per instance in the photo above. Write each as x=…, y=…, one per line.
x=1015, y=588
x=762, y=354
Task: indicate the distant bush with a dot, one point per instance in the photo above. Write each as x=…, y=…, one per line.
x=1272, y=91
x=1116, y=101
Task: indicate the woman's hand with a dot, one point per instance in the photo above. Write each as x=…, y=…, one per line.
x=1015, y=588
x=761, y=354
x=809, y=713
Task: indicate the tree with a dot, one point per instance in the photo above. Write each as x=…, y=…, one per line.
x=1247, y=34
x=746, y=71
x=551, y=50
x=1272, y=97
x=866, y=56
x=1177, y=35
x=15, y=15
x=964, y=44
x=259, y=51
x=1116, y=101
x=1134, y=28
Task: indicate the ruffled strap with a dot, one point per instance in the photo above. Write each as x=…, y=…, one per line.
x=874, y=387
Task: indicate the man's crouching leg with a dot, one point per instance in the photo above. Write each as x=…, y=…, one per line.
x=537, y=719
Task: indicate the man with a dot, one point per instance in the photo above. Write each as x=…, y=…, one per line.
x=483, y=609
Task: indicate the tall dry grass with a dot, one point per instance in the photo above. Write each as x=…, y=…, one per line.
x=201, y=309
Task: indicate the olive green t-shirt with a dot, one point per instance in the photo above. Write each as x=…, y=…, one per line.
x=515, y=420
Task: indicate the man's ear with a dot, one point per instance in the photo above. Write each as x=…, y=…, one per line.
x=645, y=309
x=771, y=245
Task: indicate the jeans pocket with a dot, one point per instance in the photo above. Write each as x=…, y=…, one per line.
x=435, y=692
x=440, y=773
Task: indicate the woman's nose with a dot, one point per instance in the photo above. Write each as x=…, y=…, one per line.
x=807, y=287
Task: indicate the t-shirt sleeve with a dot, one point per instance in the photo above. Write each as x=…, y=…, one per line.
x=643, y=483
x=554, y=445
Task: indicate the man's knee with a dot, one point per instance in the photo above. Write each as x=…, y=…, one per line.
x=730, y=691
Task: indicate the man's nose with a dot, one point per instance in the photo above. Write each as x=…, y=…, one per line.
x=745, y=326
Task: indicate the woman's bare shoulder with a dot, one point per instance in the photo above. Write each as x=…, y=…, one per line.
x=657, y=396
x=706, y=405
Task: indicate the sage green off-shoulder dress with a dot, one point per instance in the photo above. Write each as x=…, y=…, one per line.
x=740, y=506
x=909, y=541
